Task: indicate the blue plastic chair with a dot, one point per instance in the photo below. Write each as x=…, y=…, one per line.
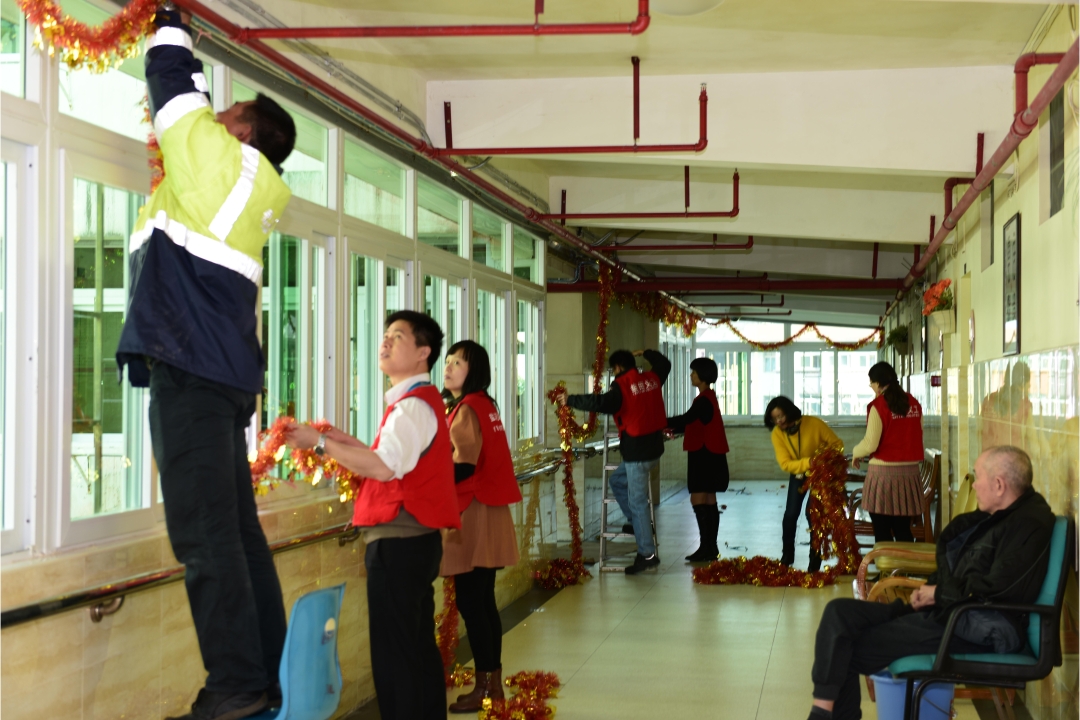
x=310, y=674
x=993, y=669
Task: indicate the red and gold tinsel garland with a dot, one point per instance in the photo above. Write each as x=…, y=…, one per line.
x=529, y=702
x=302, y=463
x=832, y=534
x=96, y=48
x=656, y=307
x=446, y=635
x=876, y=336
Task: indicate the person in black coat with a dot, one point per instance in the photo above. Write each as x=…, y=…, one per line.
x=706, y=446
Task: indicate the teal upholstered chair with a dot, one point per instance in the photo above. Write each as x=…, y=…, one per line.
x=310, y=674
x=993, y=669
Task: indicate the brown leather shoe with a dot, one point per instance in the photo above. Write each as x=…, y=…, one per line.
x=488, y=685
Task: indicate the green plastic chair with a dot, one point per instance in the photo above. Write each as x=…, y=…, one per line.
x=999, y=669
x=310, y=674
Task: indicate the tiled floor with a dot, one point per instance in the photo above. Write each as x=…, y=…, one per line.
x=657, y=645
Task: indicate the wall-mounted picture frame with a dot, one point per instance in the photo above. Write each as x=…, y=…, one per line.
x=1010, y=316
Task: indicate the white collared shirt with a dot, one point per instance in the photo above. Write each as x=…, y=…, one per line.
x=409, y=430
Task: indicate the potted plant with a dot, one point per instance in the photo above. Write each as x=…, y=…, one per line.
x=899, y=339
x=938, y=304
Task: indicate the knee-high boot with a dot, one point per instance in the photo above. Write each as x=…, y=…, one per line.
x=709, y=542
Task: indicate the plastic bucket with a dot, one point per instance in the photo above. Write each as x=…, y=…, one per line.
x=890, y=691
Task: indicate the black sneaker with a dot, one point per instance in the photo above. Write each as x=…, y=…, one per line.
x=704, y=555
x=225, y=706
x=642, y=563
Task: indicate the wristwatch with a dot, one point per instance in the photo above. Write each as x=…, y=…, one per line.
x=320, y=447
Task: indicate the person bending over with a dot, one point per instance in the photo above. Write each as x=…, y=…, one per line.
x=189, y=335
x=406, y=497
x=637, y=402
x=486, y=487
x=892, y=493
x=706, y=446
x=795, y=438
x=998, y=553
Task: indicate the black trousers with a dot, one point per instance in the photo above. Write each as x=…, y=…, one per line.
x=859, y=637
x=405, y=661
x=791, y=520
x=891, y=527
x=197, y=428
x=476, y=603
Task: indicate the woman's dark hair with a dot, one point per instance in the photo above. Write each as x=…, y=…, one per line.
x=478, y=378
x=791, y=410
x=705, y=369
x=622, y=358
x=885, y=376
x=426, y=332
x=273, y=132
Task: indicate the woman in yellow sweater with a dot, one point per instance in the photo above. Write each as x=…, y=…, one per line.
x=795, y=438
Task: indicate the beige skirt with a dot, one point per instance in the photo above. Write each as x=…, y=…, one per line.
x=486, y=539
x=893, y=489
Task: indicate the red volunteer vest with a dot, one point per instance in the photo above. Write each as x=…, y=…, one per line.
x=494, y=482
x=642, y=412
x=426, y=491
x=901, y=436
x=709, y=435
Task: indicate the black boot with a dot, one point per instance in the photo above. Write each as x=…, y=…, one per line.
x=714, y=531
x=700, y=513
x=815, y=561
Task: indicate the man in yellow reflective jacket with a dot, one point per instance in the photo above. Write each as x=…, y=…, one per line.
x=190, y=335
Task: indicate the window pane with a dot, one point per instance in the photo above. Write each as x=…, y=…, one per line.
x=435, y=307
x=814, y=382
x=526, y=256
x=305, y=168
x=528, y=370
x=852, y=381
x=438, y=216
x=12, y=48
x=281, y=327
x=839, y=333
x=6, y=515
x=395, y=290
x=732, y=382
x=316, y=320
x=374, y=188
x=455, y=308
x=764, y=380
x=490, y=308
x=108, y=466
x=365, y=330
x=488, y=231
x=81, y=91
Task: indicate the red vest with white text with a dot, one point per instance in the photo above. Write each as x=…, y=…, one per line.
x=709, y=435
x=642, y=412
x=494, y=482
x=426, y=491
x=901, y=436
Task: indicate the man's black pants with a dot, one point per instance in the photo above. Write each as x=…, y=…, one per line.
x=405, y=661
x=791, y=521
x=198, y=432
x=859, y=637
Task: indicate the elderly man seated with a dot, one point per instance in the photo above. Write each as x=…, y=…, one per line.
x=999, y=553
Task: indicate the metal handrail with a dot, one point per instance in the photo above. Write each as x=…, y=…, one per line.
x=98, y=597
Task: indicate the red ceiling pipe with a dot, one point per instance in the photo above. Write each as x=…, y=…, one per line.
x=1022, y=126
x=245, y=36
x=952, y=182
x=733, y=212
x=736, y=315
x=748, y=245
x=1024, y=63
x=703, y=137
x=332, y=93
x=707, y=283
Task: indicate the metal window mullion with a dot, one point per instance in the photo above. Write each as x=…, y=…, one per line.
x=304, y=345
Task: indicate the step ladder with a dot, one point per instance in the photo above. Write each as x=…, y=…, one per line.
x=607, y=534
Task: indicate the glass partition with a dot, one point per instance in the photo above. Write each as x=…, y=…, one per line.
x=12, y=48
x=488, y=234
x=490, y=311
x=108, y=464
x=438, y=216
x=281, y=327
x=435, y=307
x=529, y=383
x=365, y=395
x=374, y=188
x=526, y=256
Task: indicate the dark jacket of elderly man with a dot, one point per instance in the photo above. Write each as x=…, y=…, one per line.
x=997, y=553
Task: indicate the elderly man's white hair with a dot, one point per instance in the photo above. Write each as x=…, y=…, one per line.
x=1013, y=464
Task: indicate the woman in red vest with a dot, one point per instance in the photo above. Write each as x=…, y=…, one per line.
x=486, y=487
x=892, y=493
x=706, y=446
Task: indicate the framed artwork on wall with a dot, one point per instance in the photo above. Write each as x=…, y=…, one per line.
x=1010, y=316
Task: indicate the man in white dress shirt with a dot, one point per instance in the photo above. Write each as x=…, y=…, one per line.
x=407, y=496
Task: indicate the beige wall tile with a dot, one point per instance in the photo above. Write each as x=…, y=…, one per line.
x=60, y=697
